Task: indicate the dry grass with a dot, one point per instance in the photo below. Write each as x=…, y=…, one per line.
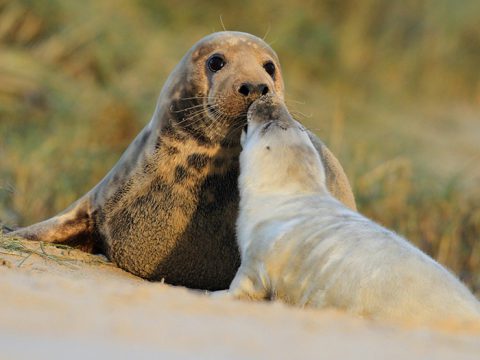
x=18, y=247
x=61, y=254
x=393, y=88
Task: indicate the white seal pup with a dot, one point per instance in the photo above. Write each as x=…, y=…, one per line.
x=302, y=246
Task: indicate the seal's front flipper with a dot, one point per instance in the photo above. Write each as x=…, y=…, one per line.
x=73, y=227
x=248, y=287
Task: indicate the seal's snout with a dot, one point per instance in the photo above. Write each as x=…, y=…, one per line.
x=268, y=108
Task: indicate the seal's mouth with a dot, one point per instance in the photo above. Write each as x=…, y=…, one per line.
x=267, y=125
x=276, y=124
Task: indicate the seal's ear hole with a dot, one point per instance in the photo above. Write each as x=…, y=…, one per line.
x=269, y=68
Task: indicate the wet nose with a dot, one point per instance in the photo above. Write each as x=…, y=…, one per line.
x=249, y=89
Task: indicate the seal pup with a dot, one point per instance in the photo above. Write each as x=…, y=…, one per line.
x=167, y=209
x=301, y=245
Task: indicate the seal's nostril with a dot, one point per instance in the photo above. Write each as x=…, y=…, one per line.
x=247, y=89
x=244, y=89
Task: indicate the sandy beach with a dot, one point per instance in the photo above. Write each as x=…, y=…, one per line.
x=65, y=303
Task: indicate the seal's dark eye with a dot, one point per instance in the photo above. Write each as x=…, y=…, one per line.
x=215, y=63
x=269, y=68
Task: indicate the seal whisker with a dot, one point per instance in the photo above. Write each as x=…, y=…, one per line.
x=196, y=119
x=221, y=22
x=272, y=42
x=208, y=129
x=203, y=109
x=200, y=98
x=314, y=129
x=296, y=112
x=267, y=32
x=236, y=127
x=231, y=132
x=188, y=108
x=290, y=100
x=217, y=114
x=197, y=115
x=219, y=122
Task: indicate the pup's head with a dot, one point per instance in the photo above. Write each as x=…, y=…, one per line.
x=278, y=156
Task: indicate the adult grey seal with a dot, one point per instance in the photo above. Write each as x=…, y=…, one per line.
x=301, y=245
x=167, y=209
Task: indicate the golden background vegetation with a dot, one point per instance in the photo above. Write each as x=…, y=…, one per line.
x=392, y=87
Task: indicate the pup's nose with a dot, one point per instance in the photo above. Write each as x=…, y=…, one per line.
x=254, y=90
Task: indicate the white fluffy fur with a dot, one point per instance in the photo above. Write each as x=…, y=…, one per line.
x=301, y=245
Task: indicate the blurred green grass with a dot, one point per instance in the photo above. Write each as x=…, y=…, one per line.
x=392, y=87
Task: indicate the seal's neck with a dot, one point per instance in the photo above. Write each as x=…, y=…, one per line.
x=280, y=170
